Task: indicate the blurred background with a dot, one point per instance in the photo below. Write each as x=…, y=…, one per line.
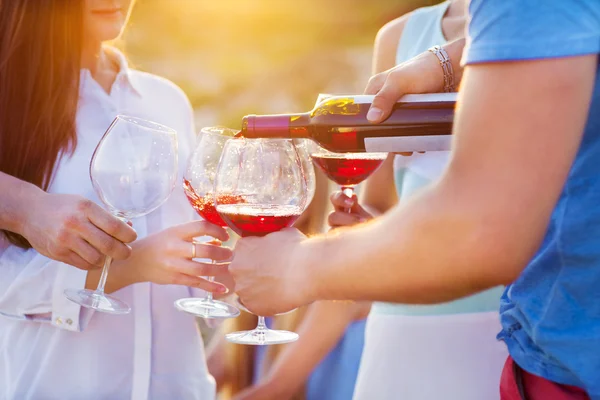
x=238, y=57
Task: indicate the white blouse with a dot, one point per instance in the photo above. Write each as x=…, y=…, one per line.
x=51, y=348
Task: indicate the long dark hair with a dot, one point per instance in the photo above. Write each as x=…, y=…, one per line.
x=40, y=57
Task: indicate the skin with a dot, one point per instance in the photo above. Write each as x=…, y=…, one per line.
x=70, y=228
x=164, y=257
x=468, y=216
x=64, y=227
x=378, y=194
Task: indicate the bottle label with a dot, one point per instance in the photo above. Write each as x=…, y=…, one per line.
x=408, y=143
x=409, y=98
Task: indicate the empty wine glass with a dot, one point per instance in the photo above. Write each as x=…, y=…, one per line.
x=198, y=185
x=267, y=181
x=133, y=171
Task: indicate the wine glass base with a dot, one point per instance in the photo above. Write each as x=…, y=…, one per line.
x=262, y=337
x=205, y=308
x=97, y=301
x=241, y=306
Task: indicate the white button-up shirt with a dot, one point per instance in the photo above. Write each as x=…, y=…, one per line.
x=51, y=348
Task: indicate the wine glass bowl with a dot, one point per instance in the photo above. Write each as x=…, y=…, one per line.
x=132, y=174
x=198, y=185
x=267, y=177
x=133, y=171
x=302, y=147
x=345, y=169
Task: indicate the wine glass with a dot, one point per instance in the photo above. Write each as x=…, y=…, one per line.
x=345, y=169
x=133, y=171
x=198, y=185
x=266, y=178
x=302, y=147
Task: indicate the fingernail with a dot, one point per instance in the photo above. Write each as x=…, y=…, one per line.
x=374, y=114
x=361, y=220
x=348, y=202
x=222, y=289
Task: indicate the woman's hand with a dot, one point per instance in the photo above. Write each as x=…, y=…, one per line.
x=421, y=74
x=165, y=258
x=341, y=217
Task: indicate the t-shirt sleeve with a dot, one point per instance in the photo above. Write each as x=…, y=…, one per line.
x=511, y=30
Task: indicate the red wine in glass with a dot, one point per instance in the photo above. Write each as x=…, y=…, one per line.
x=257, y=219
x=348, y=169
x=205, y=205
x=198, y=183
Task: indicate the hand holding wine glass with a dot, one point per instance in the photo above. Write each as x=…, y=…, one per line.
x=346, y=211
x=133, y=171
x=166, y=258
x=267, y=179
x=198, y=185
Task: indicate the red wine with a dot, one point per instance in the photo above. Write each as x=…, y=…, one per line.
x=350, y=169
x=205, y=206
x=258, y=219
x=339, y=124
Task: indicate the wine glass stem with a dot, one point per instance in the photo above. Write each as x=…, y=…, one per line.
x=106, y=268
x=104, y=275
x=349, y=192
x=262, y=326
x=209, y=295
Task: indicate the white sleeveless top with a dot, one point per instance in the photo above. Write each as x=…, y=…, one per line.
x=422, y=31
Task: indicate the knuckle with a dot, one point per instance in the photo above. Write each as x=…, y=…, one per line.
x=71, y=222
x=109, y=246
x=97, y=259
x=84, y=205
x=377, y=78
x=113, y=226
x=179, y=279
x=63, y=236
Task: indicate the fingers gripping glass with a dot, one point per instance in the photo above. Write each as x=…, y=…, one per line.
x=133, y=171
x=198, y=185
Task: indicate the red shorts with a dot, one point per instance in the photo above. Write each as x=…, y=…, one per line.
x=517, y=384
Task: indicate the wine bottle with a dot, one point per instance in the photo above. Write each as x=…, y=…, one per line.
x=418, y=122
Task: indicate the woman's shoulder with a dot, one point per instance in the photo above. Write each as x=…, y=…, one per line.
x=390, y=33
x=154, y=85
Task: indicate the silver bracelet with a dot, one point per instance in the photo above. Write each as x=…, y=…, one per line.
x=446, y=65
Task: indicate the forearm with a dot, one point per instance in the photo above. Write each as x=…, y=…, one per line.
x=437, y=247
x=121, y=275
x=14, y=196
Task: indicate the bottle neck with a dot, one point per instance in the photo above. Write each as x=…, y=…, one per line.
x=276, y=126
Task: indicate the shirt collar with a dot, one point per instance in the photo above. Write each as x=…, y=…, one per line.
x=125, y=76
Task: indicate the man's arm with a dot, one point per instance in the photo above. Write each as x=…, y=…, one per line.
x=63, y=227
x=517, y=130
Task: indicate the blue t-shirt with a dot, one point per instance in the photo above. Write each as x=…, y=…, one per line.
x=551, y=314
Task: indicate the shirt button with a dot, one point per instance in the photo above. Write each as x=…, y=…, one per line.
x=69, y=321
x=58, y=321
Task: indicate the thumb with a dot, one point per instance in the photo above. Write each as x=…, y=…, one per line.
x=384, y=100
